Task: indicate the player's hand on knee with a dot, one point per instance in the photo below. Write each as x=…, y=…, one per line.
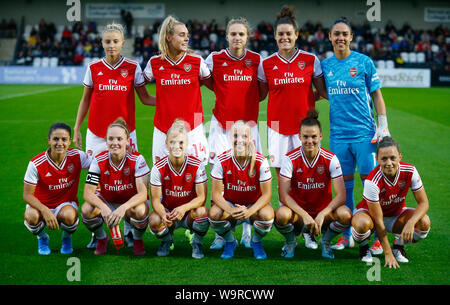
x=407, y=233
x=50, y=219
x=115, y=217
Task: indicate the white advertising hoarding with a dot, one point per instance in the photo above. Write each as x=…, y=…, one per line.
x=405, y=78
x=441, y=14
x=112, y=10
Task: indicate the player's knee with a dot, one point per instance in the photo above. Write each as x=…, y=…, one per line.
x=87, y=211
x=32, y=216
x=283, y=215
x=154, y=220
x=139, y=212
x=215, y=213
x=344, y=215
x=424, y=223
x=362, y=223
x=68, y=215
x=266, y=213
x=200, y=212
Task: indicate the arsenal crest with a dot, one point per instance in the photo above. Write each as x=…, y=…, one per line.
x=402, y=184
x=353, y=72
x=187, y=67
x=252, y=174
x=320, y=169
x=188, y=177
x=124, y=73
x=126, y=171
x=70, y=167
x=301, y=65
x=248, y=63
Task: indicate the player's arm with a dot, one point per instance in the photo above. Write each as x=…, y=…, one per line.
x=336, y=202
x=178, y=213
x=28, y=197
x=144, y=96
x=135, y=200
x=89, y=195
x=157, y=206
x=217, y=196
x=321, y=89
x=263, y=90
x=208, y=83
x=376, y=213
x=83, y=109
x=380, y=107
x=419, y=213
x=286, y=199
x=266, y=195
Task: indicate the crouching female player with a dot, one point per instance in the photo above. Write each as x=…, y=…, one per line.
x=305, y=191
x=50, y=189
x=178, y=192
x=123, y=181
x=384, y=208
x=244, y=176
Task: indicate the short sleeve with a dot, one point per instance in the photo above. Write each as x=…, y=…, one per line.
x=93, y=176
x=416, y=181
x=371, y=191
x=87, y=81
x=261, y=74
x=204, y=70
x=31, y=175
x=335, y=168
x=217, y=171
x=94, y=168
x=264, y=171
x=155, y=177
x=373, y=82
x=200, y=176
x=141, y=167
x=286, y=167
x=138, y=77
x=85, y=159
x=148, y=72
x=209, y=62
x=317, y=67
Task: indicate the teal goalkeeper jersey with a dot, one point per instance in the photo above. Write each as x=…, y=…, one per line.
x=350, y=82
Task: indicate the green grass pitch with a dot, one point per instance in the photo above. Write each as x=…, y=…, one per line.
x=418, y=119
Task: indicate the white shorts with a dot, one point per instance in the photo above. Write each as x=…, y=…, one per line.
x=95, y=144
x=280, y=145
x=56, y=210
x=198, y=146
x=389, y=222
x=219, y=139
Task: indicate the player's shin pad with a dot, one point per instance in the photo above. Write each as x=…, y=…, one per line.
x=200, y=225
x=221, y=227
x=140, y=225
x=35, y=230
x=161, y=232
x=69, y=229
x=93, y=223
x=419, y=235
x=360, y=237
x=262, y=227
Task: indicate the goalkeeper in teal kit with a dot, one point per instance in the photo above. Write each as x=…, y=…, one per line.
x=353, y=88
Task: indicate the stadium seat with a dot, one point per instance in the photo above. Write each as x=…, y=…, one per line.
x=434, y=48
x=412, y=57
x=37, y=62
x=421, y=58
x=404, y=56
x=381, y=64
x=264, y=53
x=140, y=30
x=45, y=62
x=86, y=61
x=53, y=61
x=328, y=54
x=390, y=64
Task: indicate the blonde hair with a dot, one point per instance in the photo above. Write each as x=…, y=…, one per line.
x=251, y=145
x=239, y=20
x=114, y=27
x=121, y=123
x=178, y=126
x=167, y=28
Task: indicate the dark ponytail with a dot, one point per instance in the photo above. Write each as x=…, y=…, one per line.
x=286, y=16
x=312, y=119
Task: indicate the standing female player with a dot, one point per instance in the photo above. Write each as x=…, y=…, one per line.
x=51, y=186
x=109, y=86
x=241, y=191
x=235, y=72
x=178, y=74
x=178, y=192
x=384, y=208
x=123, y=180
x=353, y=84
x=289, y=75
x=305, y=191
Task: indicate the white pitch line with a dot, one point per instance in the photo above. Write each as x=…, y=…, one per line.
x=6, y=97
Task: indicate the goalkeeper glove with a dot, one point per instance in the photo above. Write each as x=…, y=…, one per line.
x=382, y=129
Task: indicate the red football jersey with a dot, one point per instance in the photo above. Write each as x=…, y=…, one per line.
x=177, y=89
x=118, y=183
x=235, y=86
x=241, y=186
x=178, y=187
x=290, y=89
x=390, y=195
x=54, y=183
x=311, y=182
